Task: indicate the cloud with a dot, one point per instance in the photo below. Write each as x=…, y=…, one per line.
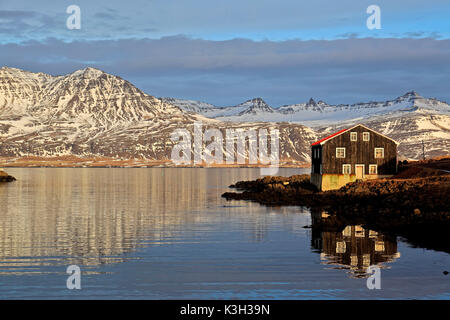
x=224, y=19
x=16, y=14
x=227, y=72
x=21, y=24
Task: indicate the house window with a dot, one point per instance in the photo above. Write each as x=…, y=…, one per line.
x=340, y=152
x=373, y=169
x=346, y=169
x=353, y=136
x=379, y=153
x=366, y=136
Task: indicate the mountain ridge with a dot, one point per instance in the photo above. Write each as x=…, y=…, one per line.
x=90, y=113
x=314, y=113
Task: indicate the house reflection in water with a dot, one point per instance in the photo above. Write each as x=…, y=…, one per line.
x=355, y=248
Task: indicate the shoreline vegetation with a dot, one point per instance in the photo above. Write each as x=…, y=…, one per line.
x=414, y=203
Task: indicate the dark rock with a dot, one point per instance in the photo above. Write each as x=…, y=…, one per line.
x=4, y=177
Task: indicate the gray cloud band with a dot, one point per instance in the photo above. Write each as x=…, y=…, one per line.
x=225, y=72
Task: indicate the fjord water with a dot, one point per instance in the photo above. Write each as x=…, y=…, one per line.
x=166, y=233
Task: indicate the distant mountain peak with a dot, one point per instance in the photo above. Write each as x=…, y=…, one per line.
x=411, y=94
x=89, y=72
x=311, y=102
x=255, y=105
x=255, y=101
x=258, y=99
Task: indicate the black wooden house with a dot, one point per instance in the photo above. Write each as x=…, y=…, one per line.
x=351, y=154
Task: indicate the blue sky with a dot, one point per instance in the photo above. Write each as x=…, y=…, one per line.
x=226, y=51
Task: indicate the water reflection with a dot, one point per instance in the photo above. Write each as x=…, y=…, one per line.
x=95, y=216
x=352, y=248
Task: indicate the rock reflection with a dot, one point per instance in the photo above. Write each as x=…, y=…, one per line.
x=352, y=247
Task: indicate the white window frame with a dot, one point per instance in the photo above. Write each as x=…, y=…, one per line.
x=382, y=153
x=366, y=134
x=340, y=148
x=376, y=168
x=348, y=166
x=353, y=136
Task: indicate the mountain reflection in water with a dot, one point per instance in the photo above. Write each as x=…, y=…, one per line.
x=96, y=216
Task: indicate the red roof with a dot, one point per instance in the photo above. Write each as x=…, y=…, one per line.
x=329, y=137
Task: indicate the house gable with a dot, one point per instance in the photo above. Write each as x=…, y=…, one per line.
x=359, y=152
x=336, y=134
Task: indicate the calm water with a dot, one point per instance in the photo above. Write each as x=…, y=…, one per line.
x=168, y=234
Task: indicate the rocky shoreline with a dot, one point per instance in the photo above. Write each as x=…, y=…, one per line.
x=4, y=177
x=414, y=204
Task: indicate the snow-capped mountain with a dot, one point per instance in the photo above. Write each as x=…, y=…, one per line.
x=414, y=121
x=410, y=119
x=317, y=114
x=90, y=113
x=253, y=107
x=89, y=94
x=311, y=105
x=192, y=106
